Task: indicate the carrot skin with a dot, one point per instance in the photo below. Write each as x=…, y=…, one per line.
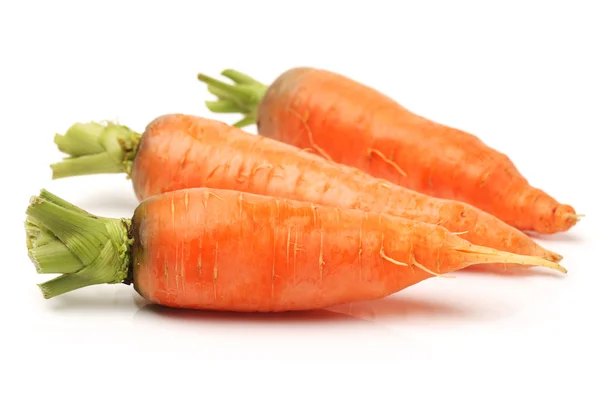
x=347, y=121
x=228, y=250
x=182, y=151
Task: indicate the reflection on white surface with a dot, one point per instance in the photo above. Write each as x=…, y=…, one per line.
x=392, y=309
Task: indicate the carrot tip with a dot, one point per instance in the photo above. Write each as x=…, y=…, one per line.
x=576, y=217
x=488, y=255
x=554, y=257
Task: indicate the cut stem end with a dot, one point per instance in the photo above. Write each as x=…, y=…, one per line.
x=243, y=96
x=95, y=148
x=84, y=248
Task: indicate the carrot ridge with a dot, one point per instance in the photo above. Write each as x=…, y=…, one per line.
x=385, y=159
x=309, y=134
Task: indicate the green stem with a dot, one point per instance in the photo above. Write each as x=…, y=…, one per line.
x=95, y=148
x=86, y=249
x=46, y=195
x=80, y=139
x=243, y=96
x=239, y=77
x=224, y=106
x=63, y=284
x=37, y=235
x=54, y=257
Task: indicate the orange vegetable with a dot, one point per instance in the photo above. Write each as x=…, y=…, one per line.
x=183, y=151
x=229, y=250
x=351, y=123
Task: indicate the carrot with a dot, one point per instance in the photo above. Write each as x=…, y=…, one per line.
x=229, y=250
x=183, y=151
x=351, y=123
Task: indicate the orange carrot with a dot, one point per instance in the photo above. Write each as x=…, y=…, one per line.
x=228, y=250
x=351, y=123
x=183, y=151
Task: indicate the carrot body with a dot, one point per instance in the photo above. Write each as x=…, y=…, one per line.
x=182, y=151
x=229, y=250
x=361, y=127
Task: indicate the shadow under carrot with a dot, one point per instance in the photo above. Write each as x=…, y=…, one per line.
x=389, y=308
x=508, y=272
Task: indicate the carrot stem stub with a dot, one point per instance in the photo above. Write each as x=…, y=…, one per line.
x=241, y=97
x=95, y=148
x=85, y=249
x=230, y=250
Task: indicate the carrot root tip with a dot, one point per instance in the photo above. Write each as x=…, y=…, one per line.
x=575, y=217
x=555, y=257
x=485, y=255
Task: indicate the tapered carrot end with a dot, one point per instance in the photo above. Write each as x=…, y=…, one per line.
x=542, y=213
x=485, y=255
x=540, y=251
x=549, y=255
x=554, y=257
x=565, y=218
x=574, y=217
x=548, y=218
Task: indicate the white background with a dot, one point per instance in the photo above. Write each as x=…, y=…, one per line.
x=522, y=75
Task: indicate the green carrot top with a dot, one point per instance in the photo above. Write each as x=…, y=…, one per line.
x=243, y=96
x=84, y=248
x=95, y=148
